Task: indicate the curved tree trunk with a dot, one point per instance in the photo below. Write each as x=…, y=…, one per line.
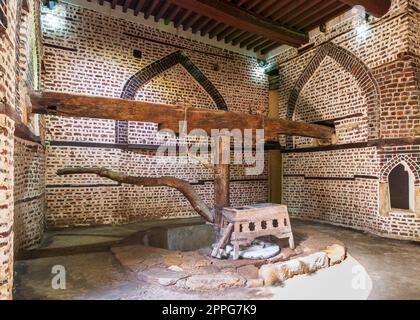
x=181, y=185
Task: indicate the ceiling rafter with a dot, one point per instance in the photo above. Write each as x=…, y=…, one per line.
x=247, y=21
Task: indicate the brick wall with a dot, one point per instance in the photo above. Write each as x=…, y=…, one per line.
x=367, y=86
x=29, y=193
x=21, y=173
x=6, y=207
x=95, y=56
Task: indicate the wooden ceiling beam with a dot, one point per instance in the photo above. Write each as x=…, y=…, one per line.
x=263, y=45
x=216, y=30
x=174, y=12
x=150, y=9
x=239, y=18
x=168, y=117
x=287, y=9
x=126, y=5
x=139, y=7
x=264, y=5
x=326, y=16
x=200, y=24
x=240, y=38
x=251, y=4
x=302, y=10
x=275, y=8
x=269, y=48
x=228, y=30
x=255, y=43
x=376, y=8
x=162, y=10
x=317, y=13
x=206, y=29
x=248, y=40
x=114, y=4
x=233, y=35
x=193, y=18
x=182, y=18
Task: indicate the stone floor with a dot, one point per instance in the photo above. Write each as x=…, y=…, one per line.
x=92, y=272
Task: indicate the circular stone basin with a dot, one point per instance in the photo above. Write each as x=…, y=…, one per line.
x=257, y=250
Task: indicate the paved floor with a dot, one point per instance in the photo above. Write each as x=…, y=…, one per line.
x=93, y=273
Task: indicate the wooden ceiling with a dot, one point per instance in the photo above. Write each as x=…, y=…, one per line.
x=258, y=25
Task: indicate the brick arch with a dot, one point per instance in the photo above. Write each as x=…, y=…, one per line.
x=354, y=66
x=396, y=160
x=153, y=70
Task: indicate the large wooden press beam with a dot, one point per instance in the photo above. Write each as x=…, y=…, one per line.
x=167, y=116
x=234, y=16
x=376, y=8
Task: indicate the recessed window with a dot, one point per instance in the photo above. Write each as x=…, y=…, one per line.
x=401, y=187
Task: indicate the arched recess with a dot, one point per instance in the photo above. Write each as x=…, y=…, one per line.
x=412, y=169
x=401, y=159
x=156, y=68
x=353, y=65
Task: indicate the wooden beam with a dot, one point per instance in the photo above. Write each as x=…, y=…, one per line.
x=174, y=13
x=200, y=24
x=376, y=8
x=221, y=180
x=210, y=25
x=290, y=7
x=248, y=40
x=316, y=12
x=181, y=185
x=150, y=9
x=114, y=4
x=193, y=18
x=162, y=10
x=303, y=9
x=126, y=5
x=167, y=116
x=242, y=19
x=139, y=7
x=182, y=18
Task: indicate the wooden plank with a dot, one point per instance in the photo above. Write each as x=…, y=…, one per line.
x=242, y=19
x=139, y=7
x=221, y=180
x=167, y=116
x=162, y=10
x=376, y=8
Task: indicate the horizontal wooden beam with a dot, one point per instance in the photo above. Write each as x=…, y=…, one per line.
x=376, y=8
x=167, y=116
x=239, y=18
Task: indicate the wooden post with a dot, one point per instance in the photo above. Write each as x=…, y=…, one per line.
x=221, y=179
x=275, y=163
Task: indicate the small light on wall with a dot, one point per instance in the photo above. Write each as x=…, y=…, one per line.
x=323, y=27
x=50, y=4
x=361, y=24
x=262, y=63
x=362, y=31
x=53, y=21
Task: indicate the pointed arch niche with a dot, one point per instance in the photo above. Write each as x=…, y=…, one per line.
x=400, y=187
x=142, y=77
x=356, y=68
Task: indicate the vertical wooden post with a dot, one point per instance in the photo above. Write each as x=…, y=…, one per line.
x=275, y=163
x=221, y=179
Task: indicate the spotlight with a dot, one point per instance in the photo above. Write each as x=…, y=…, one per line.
x=262, y=63
x=50, y=3
x=362, y=30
